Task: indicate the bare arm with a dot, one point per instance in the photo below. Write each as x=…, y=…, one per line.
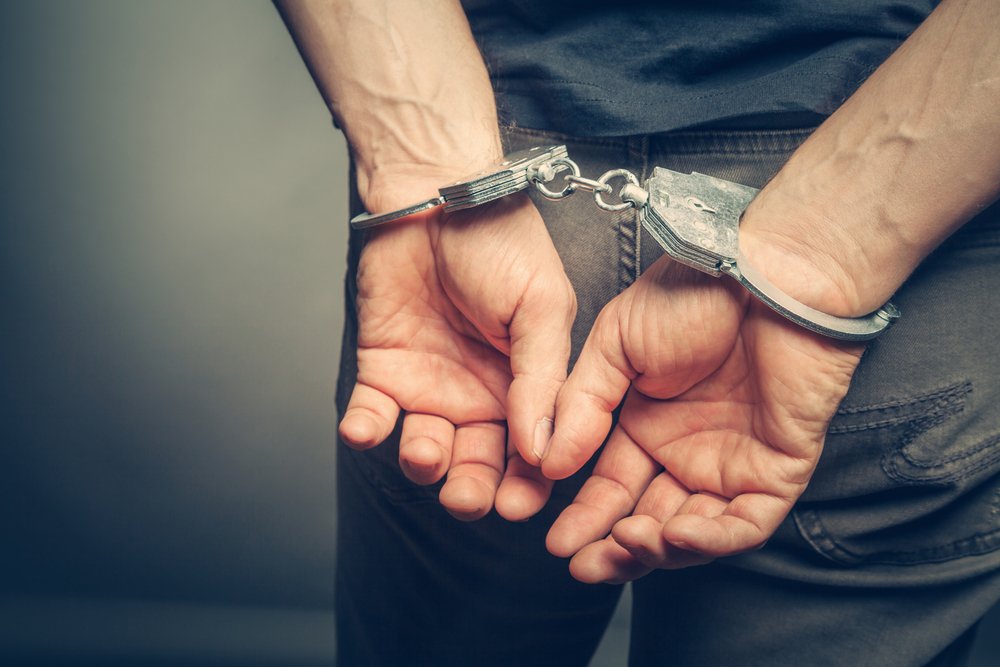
x=463, y=326
x=720, y=432
x=907, y=160
x=405, y=81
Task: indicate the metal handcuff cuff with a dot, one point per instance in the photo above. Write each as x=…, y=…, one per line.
x=694, y=217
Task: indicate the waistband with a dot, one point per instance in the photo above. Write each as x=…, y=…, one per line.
x=981, y=231
x=736, y=141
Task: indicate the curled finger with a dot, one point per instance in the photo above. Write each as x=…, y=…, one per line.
x=369, y=418
x=425, y=447
x=477, y=464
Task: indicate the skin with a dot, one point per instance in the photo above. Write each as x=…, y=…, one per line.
x=459, y=350
x=464, y=320
x=722, y=425
x=726, y=409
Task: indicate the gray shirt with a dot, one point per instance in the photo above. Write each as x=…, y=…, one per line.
x=633, y=67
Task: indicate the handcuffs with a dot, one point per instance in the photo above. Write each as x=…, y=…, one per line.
x=694, y=217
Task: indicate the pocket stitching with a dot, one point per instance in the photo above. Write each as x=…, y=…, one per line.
x=985, y=444
x=940, y=406
x=816, y=534
x=963, y=387
x=892, y=469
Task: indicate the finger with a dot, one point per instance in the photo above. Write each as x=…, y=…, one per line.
x=477, y=463
x=619, y=478
x=642, y=537
x=594, y=389
x=524, y=490
x=425, y=447
x=539, y=356
x=746, y=524
x=642, y=534
x=606, y=562
x=728, y=463
x=369, y=418
x=703, y=504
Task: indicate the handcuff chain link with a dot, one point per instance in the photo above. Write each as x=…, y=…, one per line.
x=547, y=172
x=630, y=179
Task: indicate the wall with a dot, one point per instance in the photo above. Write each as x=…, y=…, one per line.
x=172, y=243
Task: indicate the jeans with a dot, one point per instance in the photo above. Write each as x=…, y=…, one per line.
x=890, y=557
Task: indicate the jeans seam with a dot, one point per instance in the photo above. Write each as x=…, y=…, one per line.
x=629, y=232
x=890, y=463
x=627, y=250
x=811, y=528
x=987, y=443
x=936, y=406
x=951, y=390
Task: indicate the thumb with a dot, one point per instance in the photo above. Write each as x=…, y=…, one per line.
x=594, y=389
x=539, y=355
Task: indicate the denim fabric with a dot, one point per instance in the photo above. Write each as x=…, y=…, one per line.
x=890, y=557
x=414, y=586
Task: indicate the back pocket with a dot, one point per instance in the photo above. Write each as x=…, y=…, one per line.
x=906, y=480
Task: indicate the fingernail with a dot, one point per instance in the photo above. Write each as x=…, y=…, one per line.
x=543, y=435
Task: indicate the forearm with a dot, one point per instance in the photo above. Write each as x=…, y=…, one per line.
x=405, y=81
x=908, y=159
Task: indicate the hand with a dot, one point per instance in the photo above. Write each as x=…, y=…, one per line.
x=464, y=322
x=726, y=411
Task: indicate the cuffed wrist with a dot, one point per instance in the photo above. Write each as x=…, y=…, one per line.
x=813, y=260
x=390, y=185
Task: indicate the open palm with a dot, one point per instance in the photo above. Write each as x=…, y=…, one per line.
x=464, y=323
x=726, y=411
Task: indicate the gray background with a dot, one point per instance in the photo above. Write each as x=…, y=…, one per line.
x=172, y=239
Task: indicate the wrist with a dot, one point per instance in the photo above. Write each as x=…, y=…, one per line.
x=394, y=182
x=824, y=261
